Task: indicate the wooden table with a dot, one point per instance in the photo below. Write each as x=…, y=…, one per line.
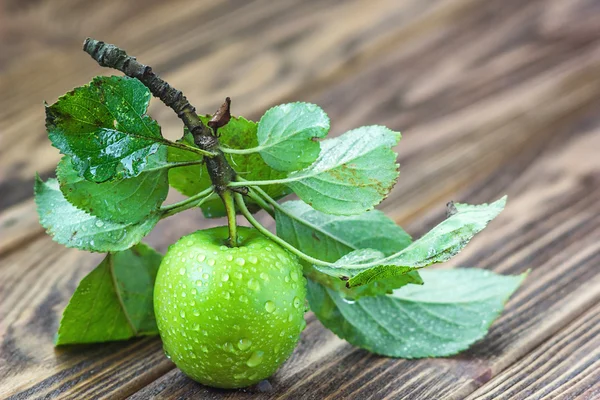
x=492, y=97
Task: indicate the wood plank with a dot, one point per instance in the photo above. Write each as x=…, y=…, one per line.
x=551, y=225
x=564, y=367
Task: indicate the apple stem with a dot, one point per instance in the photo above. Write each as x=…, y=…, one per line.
x=193, y=201
x=228, y=200
x=262, y=203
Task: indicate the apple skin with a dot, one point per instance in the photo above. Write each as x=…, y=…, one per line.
x=229, y=317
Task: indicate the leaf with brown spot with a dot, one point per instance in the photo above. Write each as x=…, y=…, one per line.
x=353, y=173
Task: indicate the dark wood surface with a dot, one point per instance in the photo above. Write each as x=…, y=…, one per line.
x=492, y=97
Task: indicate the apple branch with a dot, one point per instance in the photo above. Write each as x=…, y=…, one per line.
x=109, y=55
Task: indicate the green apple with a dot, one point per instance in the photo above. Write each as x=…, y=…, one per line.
x=229, y=316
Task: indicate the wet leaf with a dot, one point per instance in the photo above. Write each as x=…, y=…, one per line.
x=329, y=237
x=452, y=310
x=114, y=301
x=438, y=245
x=124, y=200
x=103, y=127
x=73, y=227
x=354, y=172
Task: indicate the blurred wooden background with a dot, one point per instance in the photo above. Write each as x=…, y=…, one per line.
x=492, y=97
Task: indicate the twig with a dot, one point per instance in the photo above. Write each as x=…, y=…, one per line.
x=108, y=55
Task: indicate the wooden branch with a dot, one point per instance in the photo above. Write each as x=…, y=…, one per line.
x=109, y=55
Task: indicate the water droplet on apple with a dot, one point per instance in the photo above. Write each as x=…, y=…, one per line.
x=255, y=359
x=244, y=344
x=270, y=306
x=253, y=284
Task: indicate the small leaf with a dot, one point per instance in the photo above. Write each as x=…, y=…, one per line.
x=103, y=128
x=239, y=133
x=330, y=237
x=73, y=227
x=439, y=245
x=114, y=301
x=451, y=311
x=125, y=200
x=353, y=173
x=287, y=133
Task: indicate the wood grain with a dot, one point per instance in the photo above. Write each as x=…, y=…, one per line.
x=564, y=367
x=36, y=283
x=492, y=97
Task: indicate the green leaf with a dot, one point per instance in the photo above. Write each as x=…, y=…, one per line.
x=191, y=179
x=73, y=227
x=439, y=245
x=329, y=237
x=239, y=133
x=103, y=127
x=451, y=311
x=353, y=173
x=114, y=301
x=125, y=200
x=286, y=135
